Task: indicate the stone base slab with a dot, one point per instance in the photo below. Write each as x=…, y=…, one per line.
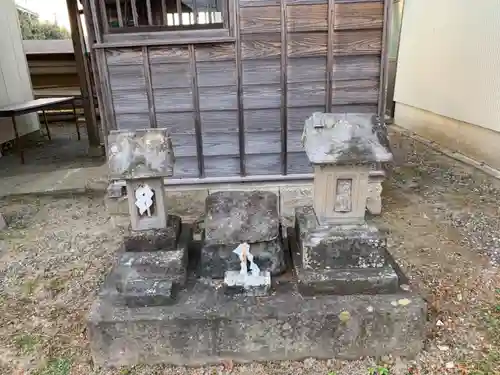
x=338, y=246
x=155, y=239
x=148, y=292
x=341, y=259
x=206, y=326
x=347, y=281
x=154, y=265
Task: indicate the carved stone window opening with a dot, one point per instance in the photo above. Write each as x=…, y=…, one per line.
x=343, y=196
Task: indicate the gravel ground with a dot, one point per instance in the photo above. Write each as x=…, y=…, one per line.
x=444, y=219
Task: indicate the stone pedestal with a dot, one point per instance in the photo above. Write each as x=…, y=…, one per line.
x=342, y=259
x=155, y=239
x=234, y=217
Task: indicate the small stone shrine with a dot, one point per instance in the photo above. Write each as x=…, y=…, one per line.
x=332, y=290
x=339, y=251
x=153, y=263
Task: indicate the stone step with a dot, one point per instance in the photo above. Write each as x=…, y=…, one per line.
x=206, y=326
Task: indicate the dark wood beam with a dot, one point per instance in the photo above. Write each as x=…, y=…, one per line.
x=83, y=75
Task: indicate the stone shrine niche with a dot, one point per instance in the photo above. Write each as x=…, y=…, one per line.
x=340, y=194
x=143, y=158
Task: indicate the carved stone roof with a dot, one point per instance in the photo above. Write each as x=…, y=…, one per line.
x=143, y=153
x=348, y=138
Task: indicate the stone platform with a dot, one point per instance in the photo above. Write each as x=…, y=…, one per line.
x=205, y=325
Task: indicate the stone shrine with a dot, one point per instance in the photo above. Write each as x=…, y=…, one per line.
x=339, y=251
x=331, y=290
x=153, y=263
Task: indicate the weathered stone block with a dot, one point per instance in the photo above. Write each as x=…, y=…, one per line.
x=291, y=197
x=169, y=265
x=234, y=217
x=148, y=292
x=189, y=204
x=338, y=246
x=216, y=258
x=374, y=199
x=155, y=239
x=140, y=154
x=346, y=281
x=115, y=191
x=205, y=326
x=241, y=216
x=248, y=285
x=117, y=205
x=341, y=259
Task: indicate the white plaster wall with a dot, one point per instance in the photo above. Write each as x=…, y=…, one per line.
x=449, y=60
x=15, y=82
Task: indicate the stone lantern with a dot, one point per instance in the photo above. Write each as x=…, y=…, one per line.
x=341, y=148
x=143, y=158
x=339, y=252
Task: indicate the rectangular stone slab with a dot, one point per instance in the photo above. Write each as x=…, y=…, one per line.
x=341, y=139
x=241, y=216
x=346, y=281
x=155, y=239
x=169, y=265
x=148, y=292
x=205, y=326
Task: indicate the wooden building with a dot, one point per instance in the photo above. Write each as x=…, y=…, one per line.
x=234, y=80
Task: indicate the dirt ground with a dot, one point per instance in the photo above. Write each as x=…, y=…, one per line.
x=444, y=219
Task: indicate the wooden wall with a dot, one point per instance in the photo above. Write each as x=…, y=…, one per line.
x=279, y=69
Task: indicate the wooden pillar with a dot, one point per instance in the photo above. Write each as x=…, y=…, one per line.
x=83, y=75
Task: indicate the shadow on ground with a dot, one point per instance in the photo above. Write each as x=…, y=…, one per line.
x=64, y=151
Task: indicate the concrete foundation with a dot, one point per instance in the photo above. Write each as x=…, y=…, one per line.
x=206, y=326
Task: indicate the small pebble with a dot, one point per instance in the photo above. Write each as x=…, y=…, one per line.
x=309, y=362
x=386, y=359
x=450, y=365
x=405, y=287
